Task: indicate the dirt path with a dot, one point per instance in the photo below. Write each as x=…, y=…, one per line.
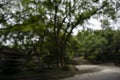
x=109, y=72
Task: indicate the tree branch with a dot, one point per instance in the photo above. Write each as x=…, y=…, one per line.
x=81, y=19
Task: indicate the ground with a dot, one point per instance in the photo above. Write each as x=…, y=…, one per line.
x=109, y=72
x=85, y=72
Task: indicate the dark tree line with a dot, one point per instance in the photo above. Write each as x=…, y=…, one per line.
x=98, y=45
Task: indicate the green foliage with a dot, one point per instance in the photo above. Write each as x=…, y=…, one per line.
x=43, y=28
x=31, y=65
x=68, y=68
x=97, y=46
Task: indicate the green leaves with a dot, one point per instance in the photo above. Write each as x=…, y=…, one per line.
x=51, y=23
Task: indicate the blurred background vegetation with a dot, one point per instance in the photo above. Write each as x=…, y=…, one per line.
x=38, y=34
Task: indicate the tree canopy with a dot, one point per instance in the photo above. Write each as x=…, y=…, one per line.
x=43, y=28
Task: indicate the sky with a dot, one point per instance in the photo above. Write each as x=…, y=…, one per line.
x=94, y=24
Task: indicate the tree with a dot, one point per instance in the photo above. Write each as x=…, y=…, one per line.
x=92, y=45
x=60, y=17
x=116, y=47
x=71, y=17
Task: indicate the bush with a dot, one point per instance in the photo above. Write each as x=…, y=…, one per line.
x=68, y=68
x=31, y=65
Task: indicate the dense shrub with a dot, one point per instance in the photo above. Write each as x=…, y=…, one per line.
x=68, y=68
